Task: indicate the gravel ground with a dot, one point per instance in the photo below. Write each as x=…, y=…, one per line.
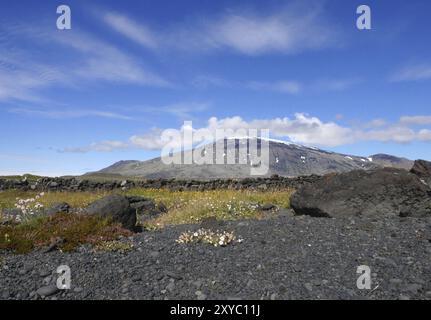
x=280, y=258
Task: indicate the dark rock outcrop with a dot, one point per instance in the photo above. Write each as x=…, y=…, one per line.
x=61, y=207
x=116, y=207
x=422, y=169
x=388, y=191
x=71, y=184
x=145, y=208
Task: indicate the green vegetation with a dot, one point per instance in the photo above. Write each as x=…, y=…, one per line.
x=72, y=229
x=194, y=206
x=184, y=207
x=8, y=198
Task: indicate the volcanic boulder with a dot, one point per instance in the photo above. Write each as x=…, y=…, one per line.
x=422, y=169
x=116, y=207
x=146, y=208
x=388, y=191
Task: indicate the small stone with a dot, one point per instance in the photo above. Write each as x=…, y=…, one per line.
x=308, y=286
x=45, y=273
x=47, y=291
x=395, y=281
x=273, y=296
x=5, y=295
x=47, y=280
x=170, y=287
x=154, y=254
x=267, y=206
x=136, y=278
x=174, y=275
x=413, y=288
x=200, y=295
x=77, y=289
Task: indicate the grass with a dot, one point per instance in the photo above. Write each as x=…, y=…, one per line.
x=73, y=229
x=184, y=207
x=194, y=206
x=75, y=199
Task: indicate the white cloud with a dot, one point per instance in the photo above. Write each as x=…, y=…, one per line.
x=24, y=74
x=102, y=61
x=149, y=141
x=182, y=110
x=131, y=29
x=18, y=81
x=424, y=135
x=286, y=86
x=413, y=73
x=289, y=30
x=281, y=86
x=395, y=133
x=416, y=120
x=303, y=129
x=69, y=114
x=103, y=146
x=334, y=84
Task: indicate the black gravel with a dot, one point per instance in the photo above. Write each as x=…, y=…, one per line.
x=280, y=258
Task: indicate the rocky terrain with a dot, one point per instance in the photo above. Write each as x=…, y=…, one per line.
x=71, y=184
x=285, y=159
x=290, y=257
x=379, y=218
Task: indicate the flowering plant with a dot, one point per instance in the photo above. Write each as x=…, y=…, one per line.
x=27, y=208
x=208, y=236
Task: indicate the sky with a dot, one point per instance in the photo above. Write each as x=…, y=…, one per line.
x=78, y=100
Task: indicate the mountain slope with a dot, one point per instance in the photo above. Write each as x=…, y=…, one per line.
x=285, y=159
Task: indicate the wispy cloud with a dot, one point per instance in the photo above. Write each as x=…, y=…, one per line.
x=292, y=29
x=281, y=86
x=413, y=73
x=19, y=81
x=103, y=146
x=332, y=84
x=131, y=29
x=24, y=73
x=69, y=114
x=286, y=86
x=416, y=120
x=102, y=61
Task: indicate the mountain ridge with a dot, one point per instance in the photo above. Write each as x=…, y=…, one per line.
x=285, y=159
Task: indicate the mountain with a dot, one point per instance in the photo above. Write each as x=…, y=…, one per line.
x=285, y=159
x=386, y=160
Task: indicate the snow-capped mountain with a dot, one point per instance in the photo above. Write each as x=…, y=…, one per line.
x=285, y=159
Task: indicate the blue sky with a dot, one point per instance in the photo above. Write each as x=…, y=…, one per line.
x=77, y=100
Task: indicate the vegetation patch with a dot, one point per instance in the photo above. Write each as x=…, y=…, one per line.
x=188, y=207
x=184, y=207
x=73, y=229
x=8, y=198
